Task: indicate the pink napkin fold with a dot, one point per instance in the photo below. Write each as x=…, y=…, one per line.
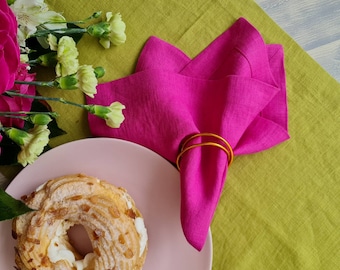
x=234, y=88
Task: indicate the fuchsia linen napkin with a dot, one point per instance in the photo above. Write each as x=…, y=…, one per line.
x=234, y=88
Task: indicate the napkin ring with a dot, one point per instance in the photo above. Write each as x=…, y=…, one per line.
x=225, y=146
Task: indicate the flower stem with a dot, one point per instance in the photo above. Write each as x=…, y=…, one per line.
x=16, y=114
x=93, y=16
x=38, y=83
x=69, y=31
x=34, y=62
x=12, y=93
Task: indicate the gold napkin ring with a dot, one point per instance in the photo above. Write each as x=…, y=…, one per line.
x=226, y=147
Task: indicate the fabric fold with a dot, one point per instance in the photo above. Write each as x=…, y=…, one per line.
x=234, y=88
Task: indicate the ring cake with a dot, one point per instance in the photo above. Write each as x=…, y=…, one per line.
x=115, y=227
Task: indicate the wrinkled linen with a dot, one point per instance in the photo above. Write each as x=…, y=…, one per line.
x=234, y=88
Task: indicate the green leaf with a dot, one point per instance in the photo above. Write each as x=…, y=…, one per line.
x=9, y=151
x=76, y=37
x=11, y=207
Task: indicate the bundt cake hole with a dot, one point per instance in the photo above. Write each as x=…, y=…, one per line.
x=79, y=239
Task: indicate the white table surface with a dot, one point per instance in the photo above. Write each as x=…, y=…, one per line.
x=313, y=24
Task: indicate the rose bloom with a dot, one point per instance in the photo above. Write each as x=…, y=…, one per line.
x=16, y=104
x=9, y=48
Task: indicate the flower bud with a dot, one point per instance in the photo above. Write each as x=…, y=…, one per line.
x=68, y=82
x=40, y=119
x=48, y=59
x=20, y=137
x=98, y=110
x=97, y=14
x=99, y=72
x=99, y=30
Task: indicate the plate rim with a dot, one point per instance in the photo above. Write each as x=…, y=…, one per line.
x=209, y=241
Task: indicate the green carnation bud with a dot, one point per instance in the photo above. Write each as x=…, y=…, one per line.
x=99, y=30
x=68, y=82
x=18, y=136
x=96, y=14
x=48, y=59
x=98, y=110
x=99, y=72
x=40, y=119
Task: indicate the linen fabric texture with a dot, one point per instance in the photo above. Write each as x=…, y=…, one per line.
x=279, y=208
x=234, y=88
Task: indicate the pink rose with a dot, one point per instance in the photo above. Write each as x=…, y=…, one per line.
x=15, y=104
x=9, y=48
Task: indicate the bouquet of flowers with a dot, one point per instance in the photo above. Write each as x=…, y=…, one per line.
x=31, y=37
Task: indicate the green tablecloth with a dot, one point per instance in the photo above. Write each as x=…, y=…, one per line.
x=280, y=209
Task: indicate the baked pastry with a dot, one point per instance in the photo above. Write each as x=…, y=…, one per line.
x=109, y=215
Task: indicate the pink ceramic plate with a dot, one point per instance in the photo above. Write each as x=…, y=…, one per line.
x=151, y=180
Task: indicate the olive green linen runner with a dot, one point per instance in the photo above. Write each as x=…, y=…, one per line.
x=280, y=209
